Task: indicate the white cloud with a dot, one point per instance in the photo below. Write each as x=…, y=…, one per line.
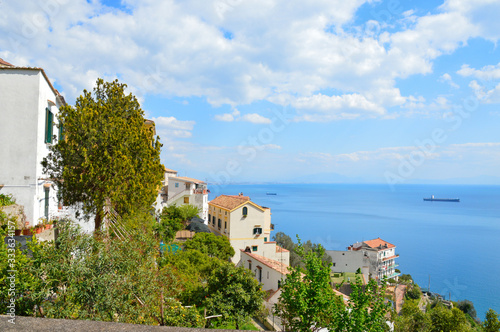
x=486, y=73
x=255, y=118
x=298, y=49
x=447, y=78
x=169, y=127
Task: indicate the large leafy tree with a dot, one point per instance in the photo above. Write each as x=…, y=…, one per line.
x=307, y=301
x=491, y=323
x=212, y=245
x=109, y=154
x=233, y=293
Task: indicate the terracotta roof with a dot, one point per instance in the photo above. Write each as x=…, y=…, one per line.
x=280, y=249
x=275, y=265
x=376, y=243
x=229, y=202
x=5, y=63
x=184, y=234
x=170, y=170
x=185, y=178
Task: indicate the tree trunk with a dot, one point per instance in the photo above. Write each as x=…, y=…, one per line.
x=98, y=222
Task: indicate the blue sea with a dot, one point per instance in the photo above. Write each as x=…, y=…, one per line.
x=454, y=245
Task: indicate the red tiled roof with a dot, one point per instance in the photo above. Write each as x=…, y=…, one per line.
x=378, y=243
x=5, y=63
x=170, y=170
x=275, y=265
x=280, y=249
x=229, y=202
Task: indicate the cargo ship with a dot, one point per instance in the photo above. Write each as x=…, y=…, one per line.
x=433, y=199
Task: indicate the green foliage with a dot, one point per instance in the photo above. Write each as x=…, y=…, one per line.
x=467, y=307
x=412, y=319
x=405, y=279
x=212, y=245
x=188, y=212
x=170, y=223
x=446, y=320
x=233, y=293
x=286, y=242
x=307, y=300
x=108, y=153
x=413, y=292
x=367, y=308
x=491, y=323
x=6, y=200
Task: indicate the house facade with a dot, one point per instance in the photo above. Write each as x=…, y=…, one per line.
x=29, y=126
x=181, y=190
x=247, y=225
x=269, y=272
x=375, y=258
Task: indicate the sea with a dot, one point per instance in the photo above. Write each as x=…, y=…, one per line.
x=451, y=248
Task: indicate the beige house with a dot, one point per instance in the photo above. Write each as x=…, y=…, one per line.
x=247, y=225
x=269, y=272
x=181, y=190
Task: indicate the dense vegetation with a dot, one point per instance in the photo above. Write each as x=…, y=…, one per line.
x=130, y=280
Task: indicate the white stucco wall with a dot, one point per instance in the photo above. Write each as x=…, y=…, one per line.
x=24, y=96
x=270, y=277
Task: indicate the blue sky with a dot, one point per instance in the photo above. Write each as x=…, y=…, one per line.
x=284, y=91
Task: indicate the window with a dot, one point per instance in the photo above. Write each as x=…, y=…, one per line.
x=225, y=224
x=245, y=211
x=250, y=265
x=254, y=248
x=177, y=184
x=257, y=231
x=209, y=217
x=186, y=200
x=61, y=132
x=265, y=239
x=267, y=274
x=218, y=223
x=46, y=212
x=259, y=273
x=213, y=220
x=49, y=122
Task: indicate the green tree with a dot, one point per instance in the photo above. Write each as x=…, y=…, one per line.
x=212, y=245
x=170, y=223
x=491, y=323
x=467, y=307
x=233, y=293
x=108, y=154
x=414, y=292
x=446, y=320
x=188, y=211
x=412, y=319
x=307, y=301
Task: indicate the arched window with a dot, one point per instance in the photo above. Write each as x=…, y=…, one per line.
x=245, y=211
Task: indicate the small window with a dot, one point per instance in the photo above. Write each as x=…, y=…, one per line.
x=186, y=200
x=209, y=217
x=49, y=122
x=333, y=264
x=257, y=231
x=245, y=211
x=218, y=223
x=254, y=248
x=61, y=132
x=250, y=265
x=177, y=184
x=225, y=224
x=213, y=220
x=265, y=240
x=46, y=212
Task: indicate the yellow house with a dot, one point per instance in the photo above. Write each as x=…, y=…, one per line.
x=246, y=224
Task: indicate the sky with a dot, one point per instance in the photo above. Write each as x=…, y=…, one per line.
x=287, y=91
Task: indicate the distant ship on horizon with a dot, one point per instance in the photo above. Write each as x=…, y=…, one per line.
x=433, y=199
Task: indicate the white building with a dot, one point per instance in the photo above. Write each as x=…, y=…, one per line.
x=181, y=190
x=28, y=127
x=247, y=225
x=375, y=258
x=269, y=272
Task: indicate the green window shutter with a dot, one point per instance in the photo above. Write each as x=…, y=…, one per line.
x=46, y=212
x=61, y=132
x=49, y=122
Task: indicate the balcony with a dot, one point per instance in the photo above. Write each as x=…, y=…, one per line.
x=395, y=274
